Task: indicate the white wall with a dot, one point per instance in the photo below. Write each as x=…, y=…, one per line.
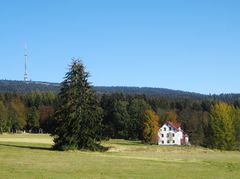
x=170, y=136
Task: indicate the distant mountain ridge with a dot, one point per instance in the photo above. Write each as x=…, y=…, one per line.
x=149, y=91
x=12, y=86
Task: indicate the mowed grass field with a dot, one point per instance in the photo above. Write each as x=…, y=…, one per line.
x=30, y=156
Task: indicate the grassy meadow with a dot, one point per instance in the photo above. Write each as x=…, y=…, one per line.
x=30, y=156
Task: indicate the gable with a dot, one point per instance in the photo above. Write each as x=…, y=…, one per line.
x=170, y=126
x=177, y=126
x=167, y=127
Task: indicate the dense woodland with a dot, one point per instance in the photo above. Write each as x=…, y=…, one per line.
x=209, y=122
x=31, y=112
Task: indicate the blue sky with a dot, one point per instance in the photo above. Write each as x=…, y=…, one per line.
x=185, y=45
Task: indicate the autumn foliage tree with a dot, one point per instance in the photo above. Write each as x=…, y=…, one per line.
x=20, y=113
x=151, y=127
x=46, y=118
x=222, y=130
x=3, y=118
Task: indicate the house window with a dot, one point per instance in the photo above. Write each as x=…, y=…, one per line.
x=173, y=141
x=168, y=141
x=162, y=135
x=162, y=142
x=167, y=135
x=173, y=135
x=164, y=129
x=170, y=128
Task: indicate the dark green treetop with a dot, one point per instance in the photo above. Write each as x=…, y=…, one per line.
x=78, y=118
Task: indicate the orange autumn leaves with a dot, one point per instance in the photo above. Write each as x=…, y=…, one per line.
x=151, y=127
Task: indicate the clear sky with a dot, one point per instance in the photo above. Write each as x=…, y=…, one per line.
x=186, y=45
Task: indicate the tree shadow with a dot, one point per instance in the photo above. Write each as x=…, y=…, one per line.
x=99, y=148
x=27, y=147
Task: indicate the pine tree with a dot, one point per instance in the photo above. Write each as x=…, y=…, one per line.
x=33, y=120
x=136, y=111
x=78, y=118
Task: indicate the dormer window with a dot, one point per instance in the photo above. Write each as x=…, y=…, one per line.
x=170, y=128
x=164, y=128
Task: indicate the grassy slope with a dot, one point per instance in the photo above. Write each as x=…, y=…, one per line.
x=28, y=156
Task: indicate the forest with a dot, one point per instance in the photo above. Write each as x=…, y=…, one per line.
x=13, y=86
x=210, y=122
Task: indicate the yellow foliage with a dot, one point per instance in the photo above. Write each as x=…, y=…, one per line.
x=151, y=127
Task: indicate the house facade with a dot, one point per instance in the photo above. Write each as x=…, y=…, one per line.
x=172, y=134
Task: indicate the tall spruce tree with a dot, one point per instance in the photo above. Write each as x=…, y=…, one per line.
x=78, y=118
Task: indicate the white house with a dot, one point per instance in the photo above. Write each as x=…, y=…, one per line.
x=172, y=134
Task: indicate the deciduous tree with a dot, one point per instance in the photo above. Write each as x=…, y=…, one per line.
x=3, y=118
x=221, y=125
x=151, y=127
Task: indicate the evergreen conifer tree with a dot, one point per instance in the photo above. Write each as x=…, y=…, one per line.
x=78, y=118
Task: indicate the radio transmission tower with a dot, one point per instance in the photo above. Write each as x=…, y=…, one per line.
x=25, y=77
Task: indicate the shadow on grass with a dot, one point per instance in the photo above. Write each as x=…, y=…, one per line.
x=27, y=147
x=99, y=149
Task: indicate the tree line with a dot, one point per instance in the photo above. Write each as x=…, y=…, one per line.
x=214, y=124
x=209, y=123
x=31, y=112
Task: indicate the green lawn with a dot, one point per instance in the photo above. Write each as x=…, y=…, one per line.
x=29, y=156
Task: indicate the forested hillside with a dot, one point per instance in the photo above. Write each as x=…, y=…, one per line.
x=212, y=121
x=30, y=86
x=9, y=86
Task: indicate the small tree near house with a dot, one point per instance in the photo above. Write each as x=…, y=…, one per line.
x=151, y=127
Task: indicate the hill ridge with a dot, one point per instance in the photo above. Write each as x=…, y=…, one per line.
x=16, y=86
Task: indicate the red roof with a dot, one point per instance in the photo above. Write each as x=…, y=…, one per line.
x=174, y=125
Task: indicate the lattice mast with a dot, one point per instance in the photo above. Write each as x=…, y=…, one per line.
x=25, y=78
